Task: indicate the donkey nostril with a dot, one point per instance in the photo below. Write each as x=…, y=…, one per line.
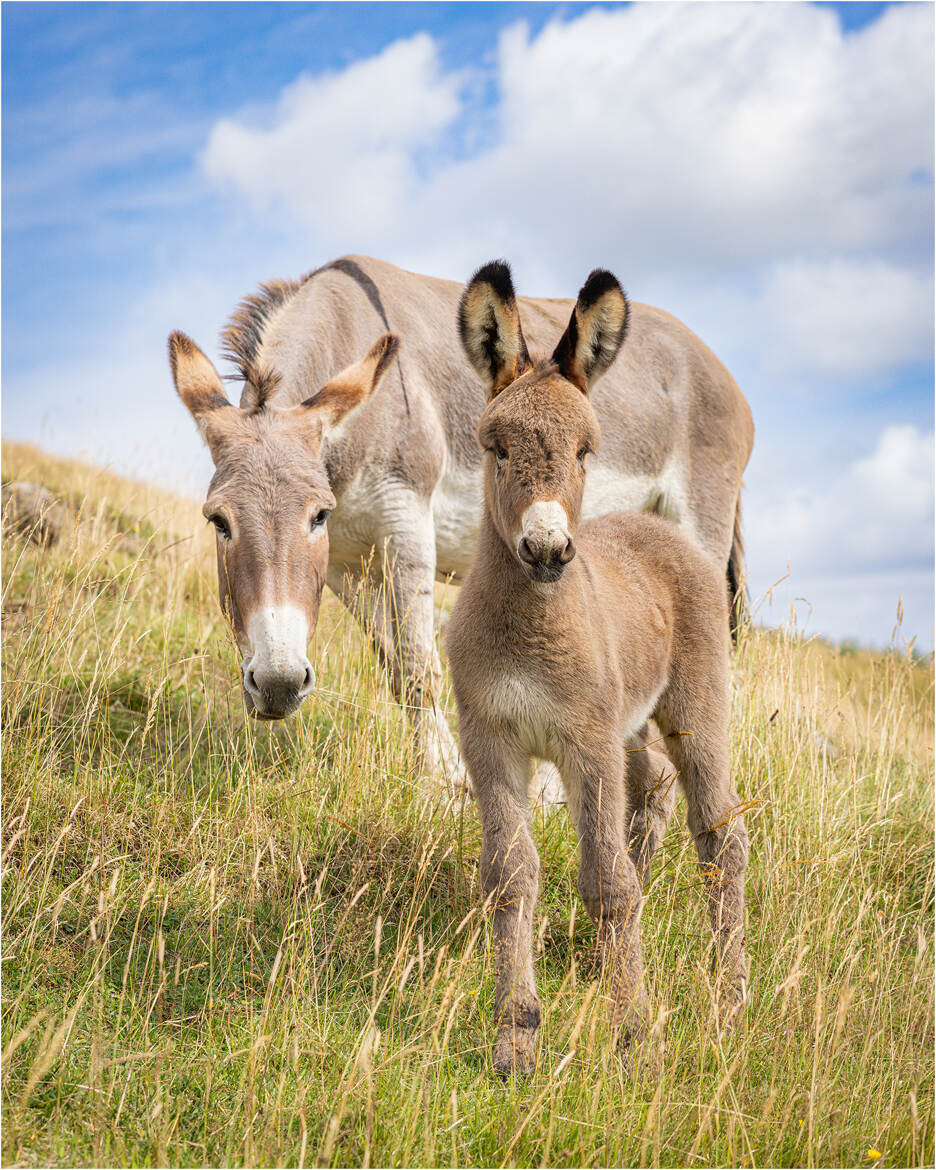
x=307, y=681
x=251, y=681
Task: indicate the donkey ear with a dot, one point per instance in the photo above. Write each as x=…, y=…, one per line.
x=595, y=331
x=198, y=385
x=489, y=326
x=358, y=382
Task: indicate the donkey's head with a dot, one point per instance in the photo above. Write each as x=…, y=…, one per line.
x=269, y=501
x=539, y=426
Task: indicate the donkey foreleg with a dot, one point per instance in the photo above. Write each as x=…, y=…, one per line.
x=393, y=612
x=409, y=570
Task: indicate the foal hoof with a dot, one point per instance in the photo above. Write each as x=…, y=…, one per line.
x=515, y=1054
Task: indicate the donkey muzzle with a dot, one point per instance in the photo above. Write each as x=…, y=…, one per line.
x=274, y=694
x=277, y=673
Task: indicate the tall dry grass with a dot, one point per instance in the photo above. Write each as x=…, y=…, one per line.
x=230, y=944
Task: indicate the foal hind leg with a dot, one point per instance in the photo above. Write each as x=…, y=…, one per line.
x=721, y=841
x=609, y=886
x=651, y=795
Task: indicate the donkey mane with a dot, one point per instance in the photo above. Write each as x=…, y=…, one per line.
x=242, y=336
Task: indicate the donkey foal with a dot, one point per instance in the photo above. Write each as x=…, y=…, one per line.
x=564, y=641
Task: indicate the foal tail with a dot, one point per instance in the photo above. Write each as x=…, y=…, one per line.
x=737, y=590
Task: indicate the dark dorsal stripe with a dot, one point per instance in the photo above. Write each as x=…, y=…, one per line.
x=372, y=292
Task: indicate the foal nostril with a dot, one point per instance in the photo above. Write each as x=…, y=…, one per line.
x=567, y=553
x=251, y=682
x=526, y=552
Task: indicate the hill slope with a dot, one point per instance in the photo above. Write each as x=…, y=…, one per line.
x=233, y=944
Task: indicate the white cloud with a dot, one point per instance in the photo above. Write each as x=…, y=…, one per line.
x=619, y=122
x=876, y=512
x=846, y=318
x=342, y=148
x=753, y=156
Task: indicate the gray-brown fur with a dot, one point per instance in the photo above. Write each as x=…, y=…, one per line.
x=569, y=666
x=404, y=467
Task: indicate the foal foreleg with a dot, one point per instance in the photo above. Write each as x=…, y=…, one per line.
x=510, y=882
x=610, y=888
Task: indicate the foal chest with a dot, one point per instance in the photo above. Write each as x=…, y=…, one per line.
x=516, y=696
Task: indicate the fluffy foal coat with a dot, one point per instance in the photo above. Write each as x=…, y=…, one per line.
x=564, y=641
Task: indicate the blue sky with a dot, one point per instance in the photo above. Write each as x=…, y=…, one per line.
x=765, y=172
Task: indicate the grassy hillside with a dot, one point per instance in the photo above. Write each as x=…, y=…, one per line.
x=230, y=944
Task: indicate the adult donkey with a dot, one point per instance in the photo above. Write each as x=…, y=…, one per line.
x=397, y=473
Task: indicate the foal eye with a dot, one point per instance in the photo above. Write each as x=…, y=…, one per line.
x=221, y=526
x=581, y=455
x=319, y=518
x=499, y=453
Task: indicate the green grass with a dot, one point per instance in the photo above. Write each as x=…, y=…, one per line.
x=227, y=944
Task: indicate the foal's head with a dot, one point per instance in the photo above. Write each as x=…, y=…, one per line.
x=269, y=501
x=539, y=426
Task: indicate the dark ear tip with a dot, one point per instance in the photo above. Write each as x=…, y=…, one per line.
x=599, y=282
x=383, y=351
x=385, y=346
x=180, y=343
x=496, y=273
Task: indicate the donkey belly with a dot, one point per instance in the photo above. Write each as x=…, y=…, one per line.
x=457, y=509
x=610, y=489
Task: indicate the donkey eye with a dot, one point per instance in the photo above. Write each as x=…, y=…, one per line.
x=319, y=518
x=221, y=526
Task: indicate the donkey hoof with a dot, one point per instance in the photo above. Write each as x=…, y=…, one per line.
x=631, y=1037
x=730, y=1017
x=515, y=1054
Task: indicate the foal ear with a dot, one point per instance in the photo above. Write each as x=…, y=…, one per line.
x=489, y=326
x=352, y=386
x=199, y=386
x=595, y=331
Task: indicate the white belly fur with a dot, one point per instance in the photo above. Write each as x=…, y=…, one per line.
x=457, y=507
x=609, y=490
